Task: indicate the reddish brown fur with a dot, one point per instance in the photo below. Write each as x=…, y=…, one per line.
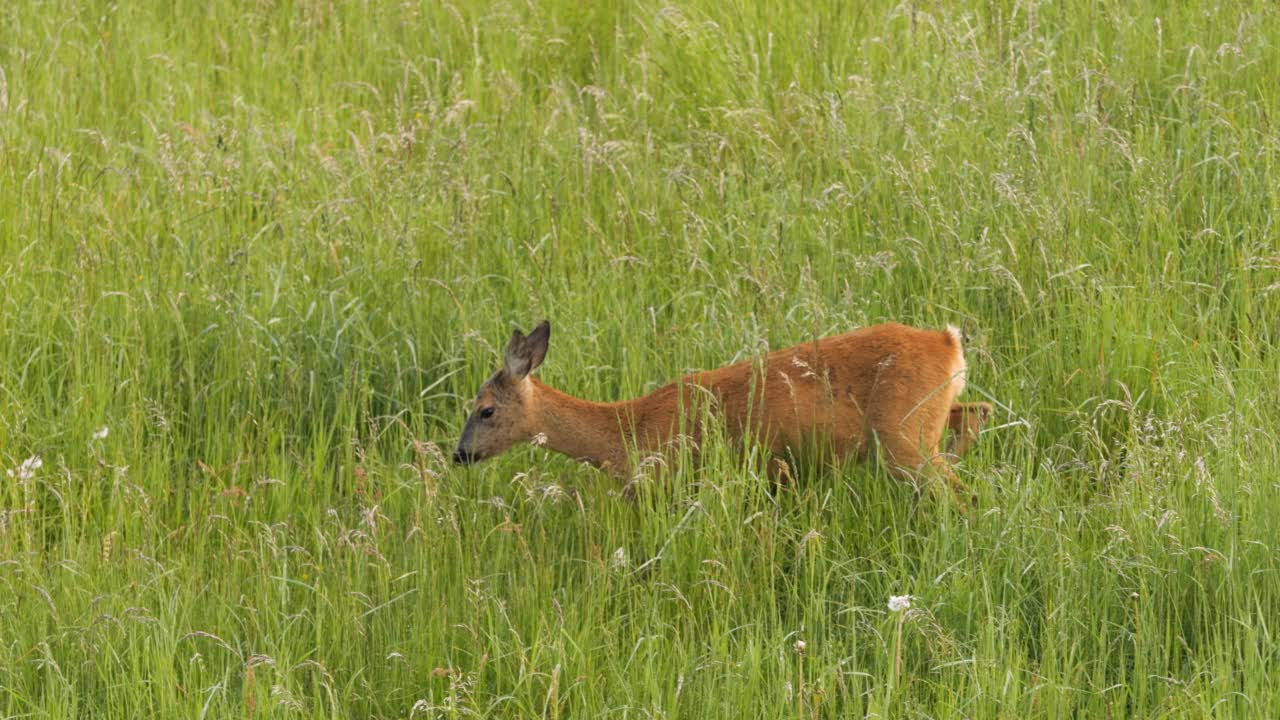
x=889, y=384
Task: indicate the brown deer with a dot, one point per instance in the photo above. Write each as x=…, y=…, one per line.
x=889, y=385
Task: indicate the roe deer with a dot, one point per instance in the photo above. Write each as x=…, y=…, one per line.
x=888, y=385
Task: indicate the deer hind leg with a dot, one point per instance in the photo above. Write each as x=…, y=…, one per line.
x=914, y=456
x=938, y=468
x=966, y=421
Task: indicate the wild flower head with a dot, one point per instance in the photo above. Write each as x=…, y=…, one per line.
x=27, y=469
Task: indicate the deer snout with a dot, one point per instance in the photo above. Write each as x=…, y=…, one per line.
x=462, y=457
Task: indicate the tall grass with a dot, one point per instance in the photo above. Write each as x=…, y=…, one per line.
x=255, y=257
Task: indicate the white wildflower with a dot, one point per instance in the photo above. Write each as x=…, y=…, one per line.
x=101, y=433
x=27, y=469
x=898, y=603
x=799, y=647
x=619, y=558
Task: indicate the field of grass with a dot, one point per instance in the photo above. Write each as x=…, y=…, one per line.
x=256, y=257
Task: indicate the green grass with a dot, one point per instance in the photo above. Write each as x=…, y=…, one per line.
x=273, y=248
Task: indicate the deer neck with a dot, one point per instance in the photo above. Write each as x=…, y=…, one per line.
x=597, y=433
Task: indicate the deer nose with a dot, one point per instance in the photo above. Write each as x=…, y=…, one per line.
x=461, y=458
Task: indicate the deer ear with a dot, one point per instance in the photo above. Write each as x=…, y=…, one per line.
x=526, y=353
x=537, y=343
x=515, y=365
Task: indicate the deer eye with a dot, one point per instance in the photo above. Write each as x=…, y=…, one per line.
x=486, y=413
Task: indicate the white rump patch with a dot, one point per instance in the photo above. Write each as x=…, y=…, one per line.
x=959, y=368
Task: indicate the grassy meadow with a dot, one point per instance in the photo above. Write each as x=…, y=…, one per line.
x=256, y=258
